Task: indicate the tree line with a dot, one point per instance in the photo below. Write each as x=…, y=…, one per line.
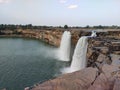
x=27, y=26
x=30, y=26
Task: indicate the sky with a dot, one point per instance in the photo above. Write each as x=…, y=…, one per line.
x=60, y=12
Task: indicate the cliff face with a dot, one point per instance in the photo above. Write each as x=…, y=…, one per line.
x=53, y=37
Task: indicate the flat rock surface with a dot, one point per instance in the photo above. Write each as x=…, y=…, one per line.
x=108, y=78
x=80, y=80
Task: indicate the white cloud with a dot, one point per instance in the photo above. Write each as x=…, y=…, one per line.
x=72, y=6
x=4, y=1
x=62, y=1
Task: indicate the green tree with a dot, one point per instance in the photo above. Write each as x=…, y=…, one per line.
x=66, y=27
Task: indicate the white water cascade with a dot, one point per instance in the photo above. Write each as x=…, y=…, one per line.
x=65, y=46
x=79, y=56
x=93, y=34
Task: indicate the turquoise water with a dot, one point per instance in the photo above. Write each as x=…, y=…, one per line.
x=24, y=62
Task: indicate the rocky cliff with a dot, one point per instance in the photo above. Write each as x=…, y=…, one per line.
x=103, y=67
x=53, y=37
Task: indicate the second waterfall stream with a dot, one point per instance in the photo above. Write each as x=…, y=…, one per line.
x=79, y=56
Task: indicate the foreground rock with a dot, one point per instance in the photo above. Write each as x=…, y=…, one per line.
x=105, y=78
x=80, y=80
x=109, y=79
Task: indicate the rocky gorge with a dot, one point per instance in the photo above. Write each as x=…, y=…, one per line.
x=103, y=55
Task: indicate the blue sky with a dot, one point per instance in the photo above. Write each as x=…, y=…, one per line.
x=60, y=12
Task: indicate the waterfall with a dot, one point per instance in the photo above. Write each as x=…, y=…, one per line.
x=65, y=47
x=79, y=56
x=93, y=34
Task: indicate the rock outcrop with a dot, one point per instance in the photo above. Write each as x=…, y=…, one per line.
x=53, y=37
x=80, y=80
x=105, y=78
x=102, y=50
x=109, y=79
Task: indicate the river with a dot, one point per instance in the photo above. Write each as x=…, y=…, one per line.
x=24, y=62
